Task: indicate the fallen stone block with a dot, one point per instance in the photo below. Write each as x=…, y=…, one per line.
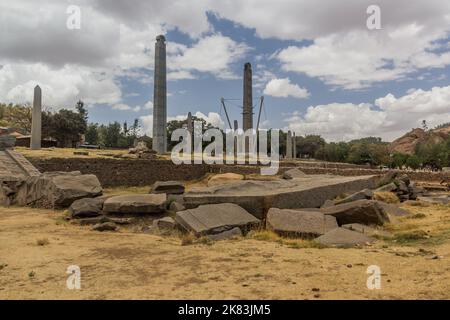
x=87, y=207
x=435, y=199
x=53, y=189
x=166, y=223
x=168, y=187
x=293, y=174
x=360, y=211
x=229, y=234
x=342, y=237
x=215, y=218
x=257, y=197
x=365, y=194
x=390, y=187
x=136, y=204
x=175, y=207
x=105, y=226
x=299, y=223
x=393, y=210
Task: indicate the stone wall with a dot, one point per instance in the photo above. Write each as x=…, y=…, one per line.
x=140, y=172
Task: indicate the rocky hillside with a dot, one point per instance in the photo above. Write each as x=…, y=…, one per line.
x=407, y=143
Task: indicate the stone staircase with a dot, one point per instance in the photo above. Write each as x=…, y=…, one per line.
x=15, y=164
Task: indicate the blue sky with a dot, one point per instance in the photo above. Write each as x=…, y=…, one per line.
x=321, y=70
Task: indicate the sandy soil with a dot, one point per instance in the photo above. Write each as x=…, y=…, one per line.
x=142, y=266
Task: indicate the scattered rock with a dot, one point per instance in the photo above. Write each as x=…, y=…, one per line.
x=390, y=187
x=299, y=223
x=7, y=141
x=166, y=223
x=387, y=178
x=436, y=199
x=365, y=194
x=360, y=211
x=136, y=204
x=405, y=179
x=175, y=207
x=229, y=234
x=224, y=178
x=168, y=187
x=87, y=207
x=369, y=231
x=393, y=210
x=293, y=174
x=215, y=218
x=105, y=226
x=343, y=237
x=80, y=153
x=328, y=203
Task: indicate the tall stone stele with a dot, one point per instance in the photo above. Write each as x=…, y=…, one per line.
x=160, y=97
x=36, y=120
x=289, y=145
x=247, y=114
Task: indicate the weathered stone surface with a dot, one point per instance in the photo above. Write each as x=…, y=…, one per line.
x=343, y=237
x=215, y=218
x=368, y=231
x=87, y=207
x=52, y=189
x=7, y=141
x=365, y=194
x=392, y=209
x=404, y=178
x=360, y=211
x=176, y=206
x=293, y=174
x=105, y=226
x=390, y=187
x=387, y=178
x=224, y=178
x=299, y=223
x=135, y=204
x=257, y=197
x=68, y=187
x=166, y=223
x=168, y=187
x=402, y=187
x=328, y=203
x=225, y=235
x=436, y=199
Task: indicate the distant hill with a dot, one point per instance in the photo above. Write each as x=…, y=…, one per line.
x=407, y=143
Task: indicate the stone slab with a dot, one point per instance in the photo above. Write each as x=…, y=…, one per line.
x=257, y=197
x=299, y=223
x=342, y=237
x=136, y=204
x=215, y=218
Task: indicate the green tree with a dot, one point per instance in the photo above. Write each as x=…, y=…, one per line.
x=92, y=134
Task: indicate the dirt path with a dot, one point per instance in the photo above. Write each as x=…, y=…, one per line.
x=141, y=266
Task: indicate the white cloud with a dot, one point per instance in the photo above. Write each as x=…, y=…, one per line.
x=147, y=124
x=283, y=88
x=149, y=105
x=212, y=54
x=61, y=87
x=212, y=117
x=395, y=116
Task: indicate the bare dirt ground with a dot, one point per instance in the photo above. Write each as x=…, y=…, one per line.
x=37, y=246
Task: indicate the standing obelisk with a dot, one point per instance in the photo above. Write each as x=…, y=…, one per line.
x=247, y=118
x=160, y=97
x=36, y=120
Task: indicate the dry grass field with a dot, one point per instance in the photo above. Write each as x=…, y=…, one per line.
x=37, y=246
